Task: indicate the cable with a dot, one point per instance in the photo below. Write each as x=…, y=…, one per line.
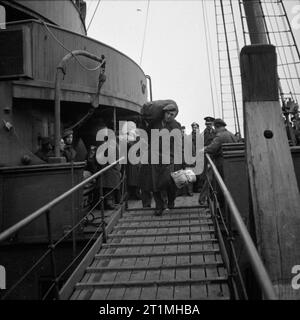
x=68, y=50
x=144, y=36
x=87, y=29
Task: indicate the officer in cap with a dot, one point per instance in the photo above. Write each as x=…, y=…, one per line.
x=69, y=152
x=209, y=132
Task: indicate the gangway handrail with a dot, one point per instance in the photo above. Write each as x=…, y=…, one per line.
x=23, y=223
x=255, y=260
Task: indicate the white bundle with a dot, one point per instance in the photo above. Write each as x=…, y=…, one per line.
x=183, y=177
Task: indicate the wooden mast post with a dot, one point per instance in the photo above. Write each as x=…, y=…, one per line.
x=274, y=190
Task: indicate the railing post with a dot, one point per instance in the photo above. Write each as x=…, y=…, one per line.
x=52, y=256
x=102, y=210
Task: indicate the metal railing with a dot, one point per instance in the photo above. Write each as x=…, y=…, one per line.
x=46, y=210
x=230, y=256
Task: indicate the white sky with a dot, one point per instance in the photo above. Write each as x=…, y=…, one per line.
x=174, y=52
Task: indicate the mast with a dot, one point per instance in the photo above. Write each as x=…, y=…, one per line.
x=256, y=22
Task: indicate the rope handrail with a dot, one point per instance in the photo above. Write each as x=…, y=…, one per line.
x=24, y=222
x=255, y=260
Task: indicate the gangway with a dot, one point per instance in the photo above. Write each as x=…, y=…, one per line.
x=176, y=256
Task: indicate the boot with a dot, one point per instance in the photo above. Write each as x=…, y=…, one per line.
x=190, y=189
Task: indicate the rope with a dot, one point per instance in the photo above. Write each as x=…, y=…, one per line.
x=68, y=50
x=144, y=36
x=87, y=29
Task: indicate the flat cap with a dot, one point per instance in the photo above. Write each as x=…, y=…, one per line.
x=209, y=119
x=220, y=122
x=67, y=133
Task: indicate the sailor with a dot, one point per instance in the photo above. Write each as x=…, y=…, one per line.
x=209, y=132
x=45, y=150
x=69, y=152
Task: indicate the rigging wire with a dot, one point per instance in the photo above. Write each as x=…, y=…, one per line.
x=208, y=58
x=285, y=60
x=238, y=52
x=210, y=51
x=230, y=70
x=219, y=60
x=87, y=29
x=145, y=30
x=288, y=26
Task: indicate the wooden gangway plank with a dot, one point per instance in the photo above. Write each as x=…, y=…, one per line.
x=172, y=233
x=154, y=254
x=162, y=219
x=152, y=226
x=170, y=259
x=157, y=267
x=87, y=285
x=169, y=243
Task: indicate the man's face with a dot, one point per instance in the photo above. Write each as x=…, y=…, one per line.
x=183, y=131
x=169, y=116
x=195, y=128
x=208, y=125
x=69, y=139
